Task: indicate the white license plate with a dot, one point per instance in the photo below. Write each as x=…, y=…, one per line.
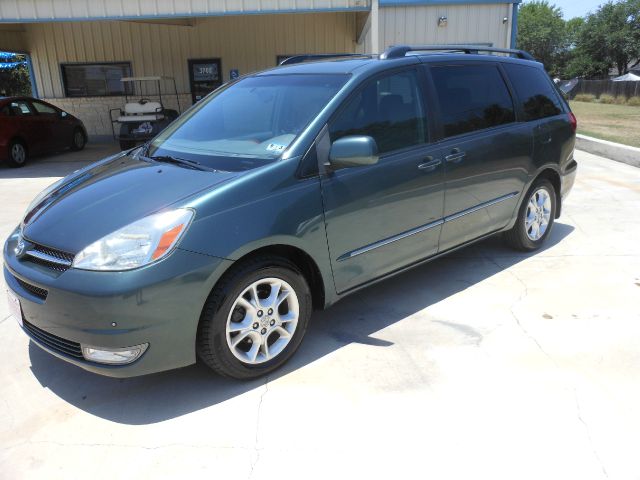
x=14, y=307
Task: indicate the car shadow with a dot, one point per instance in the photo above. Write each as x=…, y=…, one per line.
x=163, y=396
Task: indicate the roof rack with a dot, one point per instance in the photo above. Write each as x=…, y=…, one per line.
x=320, y=56
x=399, y=51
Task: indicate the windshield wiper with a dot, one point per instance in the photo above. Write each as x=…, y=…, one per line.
x=180, y=161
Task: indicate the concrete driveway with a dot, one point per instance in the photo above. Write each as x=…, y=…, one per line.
x=483, y=364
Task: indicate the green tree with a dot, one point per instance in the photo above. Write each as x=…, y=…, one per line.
x=610, y=37
x=542, y=32
x=14, y=80
x=573, y=28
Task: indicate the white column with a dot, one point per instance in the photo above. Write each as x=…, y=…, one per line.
x=375, y=31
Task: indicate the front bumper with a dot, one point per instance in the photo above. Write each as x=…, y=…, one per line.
x=159, y=304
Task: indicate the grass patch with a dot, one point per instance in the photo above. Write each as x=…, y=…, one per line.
x=616, y=123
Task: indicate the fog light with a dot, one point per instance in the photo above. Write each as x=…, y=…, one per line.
x=115, y=356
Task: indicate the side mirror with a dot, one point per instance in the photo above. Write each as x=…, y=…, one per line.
x=353, y=151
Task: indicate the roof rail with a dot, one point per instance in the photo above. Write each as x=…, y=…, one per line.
x=399, y=51
x=320, y=56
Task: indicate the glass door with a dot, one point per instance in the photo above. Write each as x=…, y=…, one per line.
x=205, y=75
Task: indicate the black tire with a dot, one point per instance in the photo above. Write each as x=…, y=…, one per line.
x=127, y=144
x=17, y=155
x=211, y=345
x=518, y=237
x=78, y=141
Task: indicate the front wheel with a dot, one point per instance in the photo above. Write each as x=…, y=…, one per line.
x=535, y=218
x=255, y=318
x=79, y=141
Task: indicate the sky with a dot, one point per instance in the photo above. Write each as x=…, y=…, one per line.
x=577, y=8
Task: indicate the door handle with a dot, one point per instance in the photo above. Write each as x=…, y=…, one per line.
x=430, y=166
x=455, y=156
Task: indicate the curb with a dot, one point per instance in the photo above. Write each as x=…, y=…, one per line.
x=614, y=151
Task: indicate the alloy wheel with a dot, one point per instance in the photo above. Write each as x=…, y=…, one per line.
x=18, y=153
x=538, y=214
x=262, y=321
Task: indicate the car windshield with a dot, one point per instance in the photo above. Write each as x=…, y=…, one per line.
x=249, y=123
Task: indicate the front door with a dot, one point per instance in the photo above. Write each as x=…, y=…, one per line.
x=487, y=155
x=382, y=217
x=205, y=75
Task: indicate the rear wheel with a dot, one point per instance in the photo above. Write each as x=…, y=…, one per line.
x=79, y=141
x=535, y=218
x=255, y=318
x=17, y=154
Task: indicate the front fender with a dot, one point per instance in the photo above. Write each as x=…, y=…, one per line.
x=266, y=208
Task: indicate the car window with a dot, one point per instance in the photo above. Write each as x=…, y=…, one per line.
x=537, y=94
x=43, y=108
x=20, y=108
x=251, y=121
x=388, y=109
x=471, y=97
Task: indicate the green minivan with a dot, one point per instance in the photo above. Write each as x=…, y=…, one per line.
x=280, y=193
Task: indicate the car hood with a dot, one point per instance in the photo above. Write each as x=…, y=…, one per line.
x=104, y=197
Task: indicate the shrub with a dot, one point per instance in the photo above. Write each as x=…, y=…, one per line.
x=634, y=101
x=620, y=100
x=585, y=97
x=606, y=98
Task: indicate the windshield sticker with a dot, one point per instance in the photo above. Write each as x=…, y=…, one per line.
x=276, y=147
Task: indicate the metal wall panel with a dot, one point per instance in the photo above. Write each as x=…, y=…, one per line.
x=247, y=43
x=12, y=38
x=62, y=10
x=473, y=23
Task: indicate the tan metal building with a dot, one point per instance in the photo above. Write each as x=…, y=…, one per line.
x=78, y=49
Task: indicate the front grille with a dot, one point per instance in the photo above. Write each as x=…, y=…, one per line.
x=49, y=257
x=41, y=293
x=54, y=342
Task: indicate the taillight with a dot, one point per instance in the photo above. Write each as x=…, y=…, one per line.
x=574, y=121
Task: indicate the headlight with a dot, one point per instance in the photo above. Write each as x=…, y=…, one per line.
x=138, y=244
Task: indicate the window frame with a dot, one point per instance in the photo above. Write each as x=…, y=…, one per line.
x=420, y=77
x=65, y=86
x=434, y=100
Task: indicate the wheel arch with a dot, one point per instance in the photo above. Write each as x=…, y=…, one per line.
x=301, y=259
x=549, y=172
x=83, y=130
x=553, y=176
x=20, y=139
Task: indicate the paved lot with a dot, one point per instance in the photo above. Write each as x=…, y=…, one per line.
x=484, y=364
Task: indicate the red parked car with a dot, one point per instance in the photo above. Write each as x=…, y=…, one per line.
x=32, y=127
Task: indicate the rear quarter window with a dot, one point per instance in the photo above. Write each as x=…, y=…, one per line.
x=471, y=97
x=537, y=94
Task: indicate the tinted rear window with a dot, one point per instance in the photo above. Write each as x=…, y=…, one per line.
x=539, y=98
x=471, y=97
